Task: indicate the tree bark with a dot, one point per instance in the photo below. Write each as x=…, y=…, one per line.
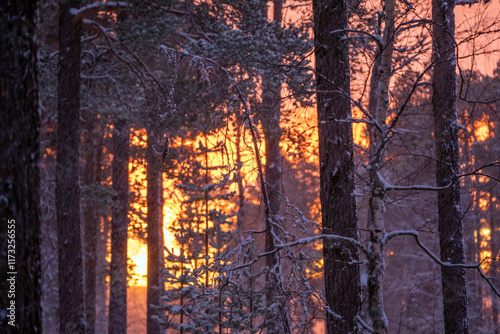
x=90, y=218
x=71, y=292
x=495, y=250
x=155, y=245
x=446, y=128
x=19, y=170
x=270, y=116
x=119, y=229
x=342, y=285
x=379, y=104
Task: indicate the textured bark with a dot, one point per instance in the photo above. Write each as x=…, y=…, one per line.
x=119, y=228
x=155, y=248
x=270, y=116
x=338, y=204
x=19, y=169
x=495, y=250
x=446, y=128
x=71, y=292
x=90, y=219
x=378, y=104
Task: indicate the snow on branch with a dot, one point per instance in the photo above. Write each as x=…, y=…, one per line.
x=363, y=32
x=436, y=259
x=304, y=241
x=88, y=11
x=93, y=9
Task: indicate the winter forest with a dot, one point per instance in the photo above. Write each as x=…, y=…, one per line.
x=250, y=166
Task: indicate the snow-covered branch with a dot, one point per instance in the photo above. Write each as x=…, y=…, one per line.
x=436, y=259
x=363, y=32
x=304, y=241
x=93, y=9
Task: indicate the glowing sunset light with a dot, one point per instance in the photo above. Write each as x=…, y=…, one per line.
x=137, y=249
x=482, y=129
x=485, y=265
x=359, y=129
x=138, y=254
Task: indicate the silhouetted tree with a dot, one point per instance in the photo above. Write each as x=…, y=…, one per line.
x=119, y=229
x=338, y=204
x=71, y=291
x=19, y=170
x=446, y=128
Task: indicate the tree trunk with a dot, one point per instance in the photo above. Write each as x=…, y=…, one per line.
x=495, y=250
x=71, y=293
x=378, y=104
x=90, y=218
x=155, y=245
x=270, y=115
x=19, y=171
x=119, y=229
x=342, y=286
x=446, y=128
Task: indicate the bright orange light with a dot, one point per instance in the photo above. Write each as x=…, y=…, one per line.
x=486, y=264
x=482, y=129
x=138, y=253
x=359, y=129
x=484, y=201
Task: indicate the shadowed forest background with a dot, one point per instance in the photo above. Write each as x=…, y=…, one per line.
x=251, y=166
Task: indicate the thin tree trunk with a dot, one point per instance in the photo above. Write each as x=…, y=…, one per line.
x=240, y=218
x=473, y=243
x=379, y=103
x=102, y=318
x=90, y=219
x=19, y=170
x=155, y=248
x=71, y=292
x=446, y=126
x=342, y=285
x=495, y=249
x=119, y=229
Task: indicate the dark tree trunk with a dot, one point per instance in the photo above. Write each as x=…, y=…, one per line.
x=446, y=128
x=495, y=250
x=155, y=245
x=71, y=292
x=90, y=219
x=270, y=115
x=19, y=170
x=119, y=228
x=336, y=164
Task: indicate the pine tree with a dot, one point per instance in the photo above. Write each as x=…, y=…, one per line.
x=342, y=287
x=19, y=170
x=446, y=128
x=71, y=291
x=119, y=229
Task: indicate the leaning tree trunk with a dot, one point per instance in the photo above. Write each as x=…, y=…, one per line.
x=270, y=115
x=71, y=292
x=155, y=245
x=119, y=229
x=446, y=127
x=19, y=171
x=336, y=164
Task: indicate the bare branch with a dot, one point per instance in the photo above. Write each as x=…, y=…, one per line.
x=416, y=236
